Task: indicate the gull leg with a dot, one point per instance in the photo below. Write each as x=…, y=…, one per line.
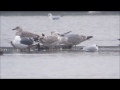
x=28, y=49
x=38, y=46
x=21, y=50
x=75, y=47
x=59, y=46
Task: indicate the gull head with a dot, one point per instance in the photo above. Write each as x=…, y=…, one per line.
x=88, y=37
x=18, y=28
x=55, y=33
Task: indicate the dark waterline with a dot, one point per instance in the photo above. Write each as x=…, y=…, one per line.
x=30, y=13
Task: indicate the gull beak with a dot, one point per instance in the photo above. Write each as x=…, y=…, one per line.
x=62, y=35
x=88, y=37
x=14, y=29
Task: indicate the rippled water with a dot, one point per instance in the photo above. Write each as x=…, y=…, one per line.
x=62, y=64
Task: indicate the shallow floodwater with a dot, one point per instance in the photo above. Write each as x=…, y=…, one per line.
x=62, y=64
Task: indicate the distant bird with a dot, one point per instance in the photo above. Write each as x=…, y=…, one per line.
x=1, y=53
x=22, y=33
x=119, y=39
x=92, y=48
x=93, y=12
x=23, y=42
x=74, y=39
x=53, y=17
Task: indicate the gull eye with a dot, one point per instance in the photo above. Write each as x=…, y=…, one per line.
x=17, y=27
x=43, y=34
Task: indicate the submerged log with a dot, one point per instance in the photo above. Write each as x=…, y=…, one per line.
x=39, y=48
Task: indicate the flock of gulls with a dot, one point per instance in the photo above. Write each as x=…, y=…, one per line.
x=27, y=40
x=24, y=39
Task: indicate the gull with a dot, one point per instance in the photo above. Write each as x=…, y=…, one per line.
x=49, y=41
x=70, y=39
x=74, y=39
x=23, y=42
x=53, y=17
x=22, y=33
x=91, y=48
x=93, y=12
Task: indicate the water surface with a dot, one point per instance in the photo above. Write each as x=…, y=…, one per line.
x=62, y=64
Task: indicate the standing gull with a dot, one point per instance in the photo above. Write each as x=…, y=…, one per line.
x=50, y=41
x=23, y=42
x=74, y=39
x=22, y=33
x=92, y=48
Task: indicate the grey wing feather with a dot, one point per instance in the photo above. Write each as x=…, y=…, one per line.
x=73, y=38
x=26, y=41
x=26, y=34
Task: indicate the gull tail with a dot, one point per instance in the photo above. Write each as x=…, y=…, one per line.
x=65, y=33
x=88, y=37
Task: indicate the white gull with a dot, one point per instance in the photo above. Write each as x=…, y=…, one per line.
x=91, y=48
x=23, y=42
